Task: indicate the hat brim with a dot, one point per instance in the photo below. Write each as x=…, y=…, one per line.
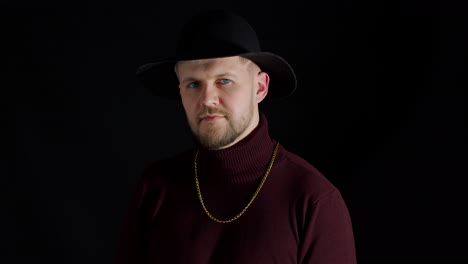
x=160, y=79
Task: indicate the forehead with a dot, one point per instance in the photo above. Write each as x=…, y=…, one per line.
x=211, y=65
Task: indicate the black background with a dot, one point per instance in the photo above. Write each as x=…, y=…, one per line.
x=379, y=110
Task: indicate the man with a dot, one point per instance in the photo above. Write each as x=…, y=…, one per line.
x=239, y=196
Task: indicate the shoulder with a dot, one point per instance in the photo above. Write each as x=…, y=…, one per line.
x=303, y=178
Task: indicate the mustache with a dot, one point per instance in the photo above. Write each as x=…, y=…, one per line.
x=212, y=111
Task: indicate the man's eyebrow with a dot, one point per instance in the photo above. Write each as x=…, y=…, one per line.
x=226, y=74
x=188, y=79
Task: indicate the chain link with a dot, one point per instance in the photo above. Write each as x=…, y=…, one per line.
x=197, y=184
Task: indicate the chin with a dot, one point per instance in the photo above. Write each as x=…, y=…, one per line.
x=218, y=141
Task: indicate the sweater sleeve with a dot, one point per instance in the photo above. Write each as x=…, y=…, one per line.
x=327, y=232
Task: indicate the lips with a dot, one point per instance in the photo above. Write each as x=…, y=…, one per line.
x=211, y=114
x=210, y=117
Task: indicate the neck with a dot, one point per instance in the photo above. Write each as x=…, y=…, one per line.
x=244, y=161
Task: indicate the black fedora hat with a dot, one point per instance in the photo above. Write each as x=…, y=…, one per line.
x=216, y=34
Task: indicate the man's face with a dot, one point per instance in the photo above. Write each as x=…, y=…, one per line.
x=220, y=97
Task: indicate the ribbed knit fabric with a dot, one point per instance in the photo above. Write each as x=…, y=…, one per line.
x=244, y=162
x=229, y=177
x=298, y=216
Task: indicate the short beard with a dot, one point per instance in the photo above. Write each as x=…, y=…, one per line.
x=213, y=141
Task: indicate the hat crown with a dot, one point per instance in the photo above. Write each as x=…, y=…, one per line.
x=216, y=33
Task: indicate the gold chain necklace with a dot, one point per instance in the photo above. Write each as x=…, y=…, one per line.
x=251, y=200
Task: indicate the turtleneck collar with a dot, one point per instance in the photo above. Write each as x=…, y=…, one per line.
x=243, y=162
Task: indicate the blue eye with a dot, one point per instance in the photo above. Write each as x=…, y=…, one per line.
x=193, y=85
x=225, y=81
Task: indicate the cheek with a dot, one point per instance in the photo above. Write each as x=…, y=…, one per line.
x=187, y=101
x=187, y=106
x=190, y=108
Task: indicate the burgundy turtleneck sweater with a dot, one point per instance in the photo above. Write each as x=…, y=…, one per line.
x=297, y=217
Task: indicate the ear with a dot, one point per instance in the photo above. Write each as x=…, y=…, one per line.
x=262, y=86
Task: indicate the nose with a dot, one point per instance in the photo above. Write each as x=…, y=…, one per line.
x=209, y=95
